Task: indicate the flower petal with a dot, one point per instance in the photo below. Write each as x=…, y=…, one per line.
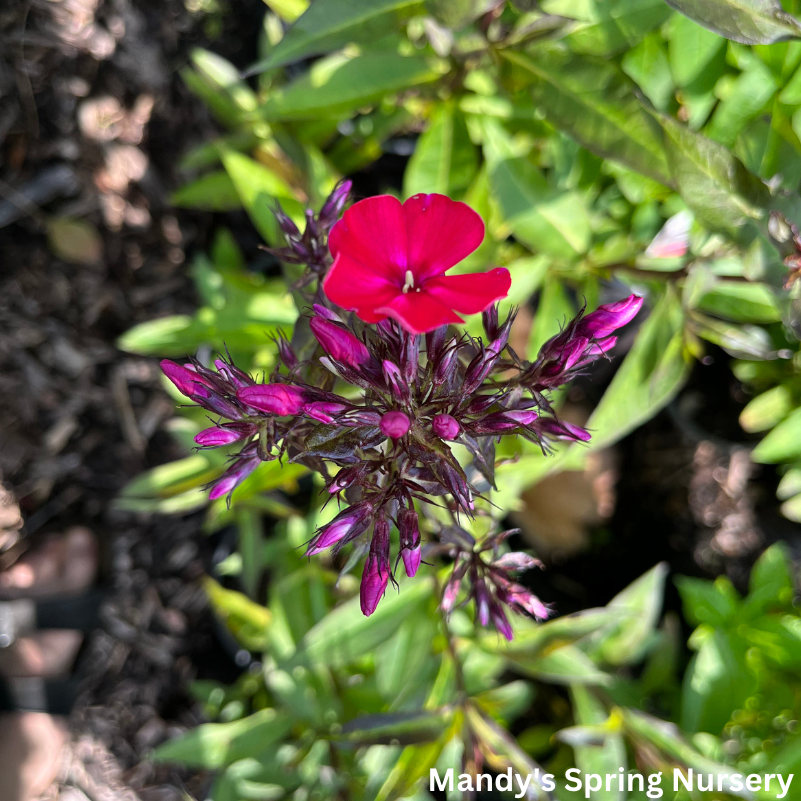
x=419, y=312
x=355, y=287
x=470, y=293
x=441, y=232
x=373, y=233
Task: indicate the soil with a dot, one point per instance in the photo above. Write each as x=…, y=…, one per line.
x=93, y=120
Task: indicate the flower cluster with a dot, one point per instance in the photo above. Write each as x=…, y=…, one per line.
x=379, y=405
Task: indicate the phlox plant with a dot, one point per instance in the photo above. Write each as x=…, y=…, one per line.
x=383, y=445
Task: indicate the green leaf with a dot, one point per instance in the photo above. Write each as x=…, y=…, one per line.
x=395, y=728
x=741, y=302
x=214, y=745
x=714, y=603
x=456, y=14
x=773, y=572
x=603, y=759
x=691, y=49
x=444, y=158
x=340, y=84
x=651, y=375
x=767, y=410
x=592, y=101
x=626, y=642
x=330, y=25
x=716, y=683
x=508, y=701
x=747, y=97
x=745, y=21
x=647, y=65
x=566, y=664
x=258, y=189
x=609, y=26
x=247, y=621
x=346, y=634
x=212, y=192
x=543, y=218
x=783, y=444
x=711, y=181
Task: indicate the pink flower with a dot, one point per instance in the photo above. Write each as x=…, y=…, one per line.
x=376, y=569
x=390, y=260
x=446, y=427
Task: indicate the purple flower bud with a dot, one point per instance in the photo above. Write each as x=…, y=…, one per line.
x=501, y=622
x=445, y=366
x=398, y=387
x=233, y=476
x=410, y=358
x=489, y=318
x=446, y=427
x=233, y=374
x=285, y=223
x=326, y=313
x=376, y=570
x=280, y=399
x=339, y=344
x=516, y=560
x=558, y=429
x=286, y=353
x=347, y=525
x=483, y=602
x=335, y=202
x=521, y=416
x=215, y=437
x=609, y=317
x=186, y=380
x=311, y=224
x=345, y=477
x=435, y=342
x=395, y=424
x=409, y=529
x=324, y=411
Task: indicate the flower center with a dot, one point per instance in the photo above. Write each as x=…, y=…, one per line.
x=409, y=282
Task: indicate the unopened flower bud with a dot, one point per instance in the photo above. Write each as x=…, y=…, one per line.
x=347, y=525
x=396, y=383
x=395, y=424
x=324, y=411
x=280, y=399
x=376, y=570
x=409, y=529
x=446, y=427
x=609, y=317
x=339, y=344
x=287, y=353
x=335, y=202
x=285, y=223
x=234, y=476
x=187, y=381
x=216, y=437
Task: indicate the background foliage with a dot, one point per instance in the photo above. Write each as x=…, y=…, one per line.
x=579, y=130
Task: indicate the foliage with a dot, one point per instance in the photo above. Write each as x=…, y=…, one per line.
x=610, y=147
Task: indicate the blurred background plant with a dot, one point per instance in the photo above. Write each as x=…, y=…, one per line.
x=610, y=147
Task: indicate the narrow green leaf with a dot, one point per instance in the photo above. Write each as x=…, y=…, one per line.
x=444, y=158
x=592, y=101
x=609, y=26
x=767, y=410
x=745, y=21
x=258, y=189
x=691, y=50
x=712, y=182
x=330, y=25
x=340, y=84
x=212, y=192
x=783, y=444
x=741, y=302
x=346, y=634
